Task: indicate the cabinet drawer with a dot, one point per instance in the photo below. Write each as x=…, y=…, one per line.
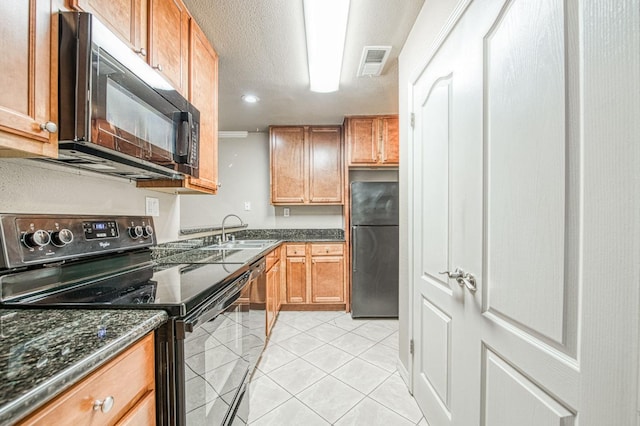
x=295, y=250
x=327, y=249
x=127, y=379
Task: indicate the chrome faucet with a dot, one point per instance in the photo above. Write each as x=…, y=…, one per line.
x=224, y=236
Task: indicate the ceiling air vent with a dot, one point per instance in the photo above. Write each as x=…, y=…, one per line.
x=373, y=60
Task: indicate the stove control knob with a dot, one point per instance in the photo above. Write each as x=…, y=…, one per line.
x=37, y=238
x=135, y=232
x=62, y=237
x=147, y=231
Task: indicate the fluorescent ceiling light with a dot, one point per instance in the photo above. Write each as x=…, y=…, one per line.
x=325, y=23
x=233, y=134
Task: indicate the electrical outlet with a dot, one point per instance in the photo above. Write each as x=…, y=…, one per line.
x=152, y=206
x=247, y=205
x=286, y=212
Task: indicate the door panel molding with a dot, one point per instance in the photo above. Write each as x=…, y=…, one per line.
x=510, y=396
x=435, y=362
x=531, y=171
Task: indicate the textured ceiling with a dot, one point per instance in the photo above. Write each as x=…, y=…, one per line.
x=262, y=50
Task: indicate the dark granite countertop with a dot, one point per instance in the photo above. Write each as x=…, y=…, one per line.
x=45, y=351
x=278, y=234
x=194, y=250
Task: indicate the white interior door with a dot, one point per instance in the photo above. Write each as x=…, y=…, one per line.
x=500, y=191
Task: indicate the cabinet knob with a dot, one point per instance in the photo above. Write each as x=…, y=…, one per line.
x=49, y=126
x=142, y=51
x=158, y=67
x=105, y=406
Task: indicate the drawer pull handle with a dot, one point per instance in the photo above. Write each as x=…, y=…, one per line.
x=104, y=406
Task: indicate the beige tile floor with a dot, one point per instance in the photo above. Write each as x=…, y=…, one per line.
x=322, y=368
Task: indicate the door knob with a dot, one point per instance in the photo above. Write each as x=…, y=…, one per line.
x=462, y=278
x=49, y=126
x=458, y=273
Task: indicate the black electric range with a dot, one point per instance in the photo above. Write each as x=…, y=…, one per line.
x=98, y=262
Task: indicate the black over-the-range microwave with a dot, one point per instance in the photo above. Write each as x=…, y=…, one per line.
x=117, y=115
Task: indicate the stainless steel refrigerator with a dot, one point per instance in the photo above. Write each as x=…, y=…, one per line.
x=374, y=249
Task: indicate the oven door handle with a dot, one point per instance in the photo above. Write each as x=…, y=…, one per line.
x=209, y=312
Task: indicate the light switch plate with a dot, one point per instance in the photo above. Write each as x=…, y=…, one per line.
x=152, y=206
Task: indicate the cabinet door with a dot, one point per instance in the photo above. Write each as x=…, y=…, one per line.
x=325, y=165
x=296, y=280
x=203, y=93
x=126, y=18
x=169, y=41
x=144, y=413
x=362, y=141
x=25, y=91
x=327, y=283
x=288, y=184
x=389, y=141
x=270, y=309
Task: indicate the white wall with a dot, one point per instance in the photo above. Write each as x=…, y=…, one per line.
x=29, y=186
x=244, y=175
x=425, y=31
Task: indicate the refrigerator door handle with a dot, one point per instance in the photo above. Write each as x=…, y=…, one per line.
x=353, y=252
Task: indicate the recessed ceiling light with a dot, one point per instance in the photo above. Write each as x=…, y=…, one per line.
x=252, y=99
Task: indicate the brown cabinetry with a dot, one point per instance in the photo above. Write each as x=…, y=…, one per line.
x=203, y=94
x=169, y=41
x=126, y=18
x=273, y=278
x=28, y=90
x=372, y=140
x=164, y=42
x=306, y=165
x=315, y=274
x=125, y=387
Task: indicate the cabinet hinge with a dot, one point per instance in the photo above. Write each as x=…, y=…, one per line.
x=411, y=346
x=413, y=119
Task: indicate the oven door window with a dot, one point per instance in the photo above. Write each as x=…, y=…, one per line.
x=217, y=364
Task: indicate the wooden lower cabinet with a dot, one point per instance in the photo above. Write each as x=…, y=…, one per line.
x=327, y=283
x=273, y=278
x=129, y=380
x=315, y=276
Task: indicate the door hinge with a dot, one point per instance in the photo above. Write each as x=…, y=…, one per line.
x=413, y=119
x=411, y=346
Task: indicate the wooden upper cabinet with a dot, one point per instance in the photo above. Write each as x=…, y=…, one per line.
x=28, y=91
x=169, y=41
x=203, y=93
x=126, y=18
x=306, y=165
x=288, y=165
x=389, y=141
x=372, y=140
x=325, y=165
